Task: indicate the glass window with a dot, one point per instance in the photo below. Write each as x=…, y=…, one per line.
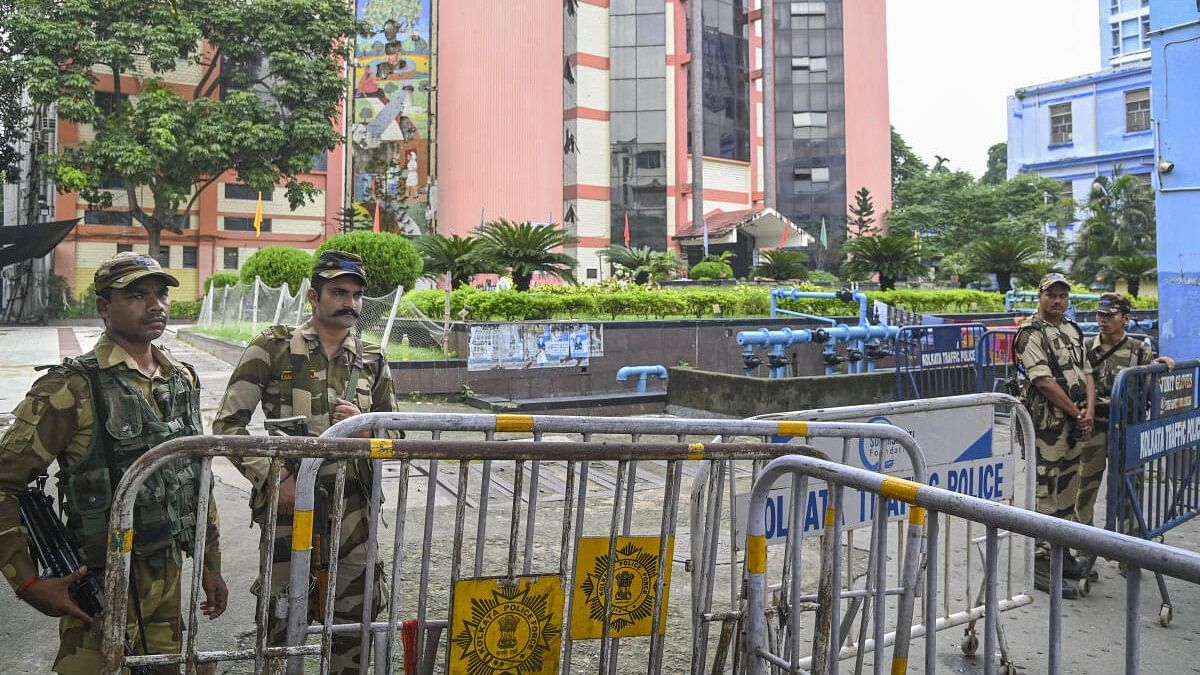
x=1060, y=124
x=623, y=127
x=190, y=257
x=239, y=191
x=810, y=119
x=245, y=224
x=624, y=95
x=652, y=94
x=808, y=8
x=117, y=218
x=1137, y=110
x=231, y=258
x=124, y=248
x=651, y=29
x=622, y=6
x=651, y=127
x=1116, y=39
x=1145, y=33
x=164, y=256
x=623, y=30
x=623, y=63
x=820, y=174
x=651, y=61
x=320, y=163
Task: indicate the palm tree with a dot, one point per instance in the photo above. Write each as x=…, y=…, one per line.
x=1119, y=222
x=1131, y=268
x=890, y=257
x=525, y=248
x=643, y=265
x=782, y=264
x=1003, y=255
x=461, y=257
x=1035, y=270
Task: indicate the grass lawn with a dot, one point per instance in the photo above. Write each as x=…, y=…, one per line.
x=242, y=333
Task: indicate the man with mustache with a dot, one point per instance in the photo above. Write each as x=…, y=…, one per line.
x=324, y=372
x=95, y=414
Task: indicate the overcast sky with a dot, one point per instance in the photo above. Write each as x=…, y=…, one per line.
x=951, y=63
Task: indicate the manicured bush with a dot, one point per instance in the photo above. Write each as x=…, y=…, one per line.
x=278, y=265
x=711, y=269
x=221, y=280
x=391, y=259
x=185, y=309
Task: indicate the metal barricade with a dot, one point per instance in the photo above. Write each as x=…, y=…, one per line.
x=974, y=443
x=936, y=360
x=1154, y=455
x=570, y=545
x=928, y=502
x=995, y=367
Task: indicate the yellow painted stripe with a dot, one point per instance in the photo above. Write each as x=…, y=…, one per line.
x=381, y=448
x=302, y=524
x=916, y=516
x=899, y=666
x=830, y=516
x=898, y=488
x=756, y=554
x=514, y=422
x=121, y=541
x=793, y=428
x=695, y=451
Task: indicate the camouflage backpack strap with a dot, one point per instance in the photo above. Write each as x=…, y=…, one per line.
x=87, y=366
x=298, y=390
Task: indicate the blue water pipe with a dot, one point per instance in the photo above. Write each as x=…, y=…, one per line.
x=865, y=346
x=641, y=373
x=845, y=295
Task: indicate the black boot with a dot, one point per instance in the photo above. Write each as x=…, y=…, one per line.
x=1076, y=568
x=1041, y=579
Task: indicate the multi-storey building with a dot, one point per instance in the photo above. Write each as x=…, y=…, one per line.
x=1124, y=31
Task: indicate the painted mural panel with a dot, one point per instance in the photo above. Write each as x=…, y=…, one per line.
x=390, y=129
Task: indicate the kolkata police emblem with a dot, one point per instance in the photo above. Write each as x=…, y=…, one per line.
x=634, y=574
x=507, y=629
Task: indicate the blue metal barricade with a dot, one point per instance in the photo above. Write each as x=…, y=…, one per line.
x=994, y=363
x=1154, y=454
x=933, y=361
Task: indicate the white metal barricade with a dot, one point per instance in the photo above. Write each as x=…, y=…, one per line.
x=958, y=431
x=570, y=510
x=993, y=517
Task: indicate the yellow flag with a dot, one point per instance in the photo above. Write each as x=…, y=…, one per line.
x=258, y=216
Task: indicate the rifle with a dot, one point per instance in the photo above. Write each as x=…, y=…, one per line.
x=54, y=549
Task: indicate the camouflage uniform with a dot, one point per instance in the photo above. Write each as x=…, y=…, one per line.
x=280, y=359
x=1058, y=451
x=1106, y=363
x=56, y=421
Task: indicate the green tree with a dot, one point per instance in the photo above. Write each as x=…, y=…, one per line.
x=1119, y=222
x=391, y=259
x=997, y=165
x=221, y=280
x=890, y=257
x=461, y=257
x=862, y=214
x=271, y=87
x=14, y=76
x=525, y=248
x=1004, y=256
x=277, y=265
x=643, y=265
x=780, y=264
x=1131, y=268
x=906, y=164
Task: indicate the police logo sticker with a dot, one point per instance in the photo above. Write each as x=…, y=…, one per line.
x=506, y=626
x=634, y=573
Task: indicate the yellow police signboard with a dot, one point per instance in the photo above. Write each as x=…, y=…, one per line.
x=635, y=578
x=506, y=626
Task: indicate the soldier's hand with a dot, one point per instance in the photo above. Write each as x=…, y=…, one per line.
x=1166, y=361
x=216, y=595
x=50, y=596
x=287, y=494
x=343, y=409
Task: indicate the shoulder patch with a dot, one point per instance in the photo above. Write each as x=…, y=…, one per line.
x=371, y=348
x=279, y=332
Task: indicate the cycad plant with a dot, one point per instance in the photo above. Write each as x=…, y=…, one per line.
x=1004, y=256
x=525, y=248
x=461, y=257
x=890, y=257
x=1131, y=268
x=782, y=264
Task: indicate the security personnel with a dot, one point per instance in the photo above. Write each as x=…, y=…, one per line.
x=95, y=415
x=1061, y=399
x=322, y=371
x=1109, y=352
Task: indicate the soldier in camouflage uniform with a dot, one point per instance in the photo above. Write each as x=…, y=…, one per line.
x=1061, y=398
x=1109, y=352
x=94, y=415
x=322, y=371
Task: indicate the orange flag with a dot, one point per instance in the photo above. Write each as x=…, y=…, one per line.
x=375, y=194
x=626, y=229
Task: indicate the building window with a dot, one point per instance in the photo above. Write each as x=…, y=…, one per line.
x=1146, y=31
x=1137, y=110
x=190, y=258
x=1066, y=191
x=810, y=179
x=245, y=224
x=108, y=102
x=808, y=8
x=124, y=248
x=239, y=191
x=1060, y=124
x=592, y=273
x=117, y=218
x=231, y=258
x=164, y=256
x=320, y=163
x=1116, y=39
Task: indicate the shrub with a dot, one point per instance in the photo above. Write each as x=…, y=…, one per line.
x=823, y=277
x=278, y=265
x=223, y=279
x=185, y=309
x=391, y=259
x=711, y=269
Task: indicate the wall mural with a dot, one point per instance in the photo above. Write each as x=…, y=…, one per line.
x=390, y=129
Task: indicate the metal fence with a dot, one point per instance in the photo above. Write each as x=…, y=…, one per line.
x=934, y=361
x=242, y=310
x=930, y=502
x=1154, y=454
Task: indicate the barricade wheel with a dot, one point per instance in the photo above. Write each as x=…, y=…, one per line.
x=1165, y=615
x=970, y=643
x=1085, y=587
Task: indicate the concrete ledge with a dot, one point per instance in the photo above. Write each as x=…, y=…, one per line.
x=740, y=396
x=611, y=403
x=229, y=352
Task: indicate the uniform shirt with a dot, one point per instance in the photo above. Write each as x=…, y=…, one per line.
x=1037, y=340
x=55, y=422
x=262, y=375
x=1130, y=352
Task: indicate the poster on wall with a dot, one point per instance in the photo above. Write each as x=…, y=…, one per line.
x=390, y=127
x=514, y=346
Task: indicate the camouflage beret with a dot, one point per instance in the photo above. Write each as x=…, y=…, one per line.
x=127, y=267
x=1053, y=278
x=332, y=264
x=1113, y=303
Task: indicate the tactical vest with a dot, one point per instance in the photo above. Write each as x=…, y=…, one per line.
x=126, y=426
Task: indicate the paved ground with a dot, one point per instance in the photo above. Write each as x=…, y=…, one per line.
x=1094, y=626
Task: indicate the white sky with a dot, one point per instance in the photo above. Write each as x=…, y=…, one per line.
x=951, y=63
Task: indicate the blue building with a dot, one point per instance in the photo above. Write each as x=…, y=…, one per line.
x=1124, y=31
x=1175, y=43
